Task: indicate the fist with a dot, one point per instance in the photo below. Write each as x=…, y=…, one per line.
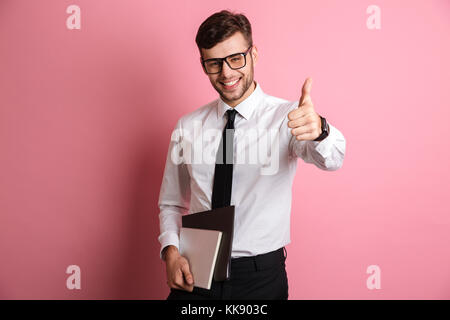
x=304, y=121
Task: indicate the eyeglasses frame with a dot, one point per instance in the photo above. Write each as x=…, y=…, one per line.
x=221, y=60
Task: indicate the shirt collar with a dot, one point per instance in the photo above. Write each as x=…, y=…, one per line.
x=246, y=107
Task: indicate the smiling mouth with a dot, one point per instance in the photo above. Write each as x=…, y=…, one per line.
x=231, y=84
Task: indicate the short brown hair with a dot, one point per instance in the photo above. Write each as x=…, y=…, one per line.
x=220, y=26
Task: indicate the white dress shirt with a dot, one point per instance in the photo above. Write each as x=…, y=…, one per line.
x=261, y=188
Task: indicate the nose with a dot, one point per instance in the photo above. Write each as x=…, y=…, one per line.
x=226, y=70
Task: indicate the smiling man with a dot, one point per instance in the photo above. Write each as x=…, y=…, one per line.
x=262, y=201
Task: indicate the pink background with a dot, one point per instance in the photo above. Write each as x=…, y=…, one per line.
x=86, y=117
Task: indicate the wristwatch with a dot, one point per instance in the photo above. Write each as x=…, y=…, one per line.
x=325, y=129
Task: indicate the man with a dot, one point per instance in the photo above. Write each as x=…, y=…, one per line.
x=262, y=199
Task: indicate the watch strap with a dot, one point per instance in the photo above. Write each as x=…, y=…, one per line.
x=325, y=129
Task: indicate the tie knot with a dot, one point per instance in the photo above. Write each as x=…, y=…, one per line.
x=231, y=113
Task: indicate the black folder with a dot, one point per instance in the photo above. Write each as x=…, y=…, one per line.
x=220, y=219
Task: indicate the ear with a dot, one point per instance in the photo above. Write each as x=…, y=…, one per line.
x=255, y=55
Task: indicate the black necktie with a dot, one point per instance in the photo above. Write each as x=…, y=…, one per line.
x=223, y=174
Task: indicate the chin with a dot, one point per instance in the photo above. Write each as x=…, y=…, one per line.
x=232, y=96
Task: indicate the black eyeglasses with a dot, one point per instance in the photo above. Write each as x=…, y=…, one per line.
x=234, y=61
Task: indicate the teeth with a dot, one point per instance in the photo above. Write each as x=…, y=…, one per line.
x=231, y=83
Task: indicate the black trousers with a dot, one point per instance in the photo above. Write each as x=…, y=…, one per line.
x=258, y=277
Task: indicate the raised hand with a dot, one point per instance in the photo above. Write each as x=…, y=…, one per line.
x=304, y=121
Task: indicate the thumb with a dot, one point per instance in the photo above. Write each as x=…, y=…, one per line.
x=306, y=91
x=187, y=274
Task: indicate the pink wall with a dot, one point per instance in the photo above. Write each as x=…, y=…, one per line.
x=86, y=117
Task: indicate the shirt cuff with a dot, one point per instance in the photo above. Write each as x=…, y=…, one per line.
x=325, y=146
x=167, y=239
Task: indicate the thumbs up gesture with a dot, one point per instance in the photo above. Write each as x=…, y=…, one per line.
x=304, y=121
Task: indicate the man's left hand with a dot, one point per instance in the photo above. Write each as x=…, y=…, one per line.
x=304, y=121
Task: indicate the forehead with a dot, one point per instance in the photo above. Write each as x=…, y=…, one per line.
x=235, y=43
